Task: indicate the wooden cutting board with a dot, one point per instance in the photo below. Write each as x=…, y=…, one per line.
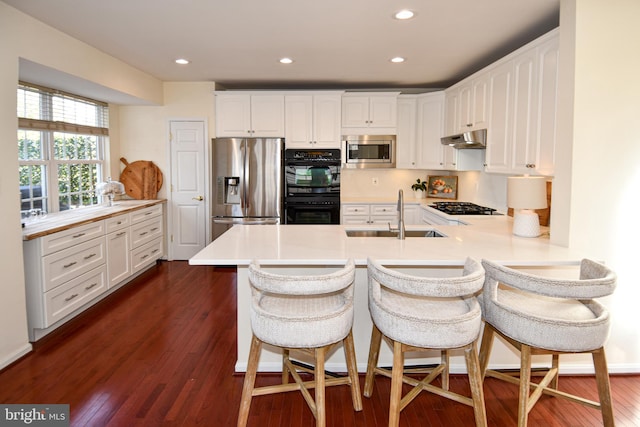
x=141, y=179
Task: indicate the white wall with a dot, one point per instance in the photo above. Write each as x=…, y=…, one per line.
x=24, y=37
x=603, y=171
x=143, y=130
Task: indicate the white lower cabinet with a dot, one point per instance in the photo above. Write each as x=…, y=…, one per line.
x=378, y=213
x=146, y=254
x=118, y=257
x=68, y=271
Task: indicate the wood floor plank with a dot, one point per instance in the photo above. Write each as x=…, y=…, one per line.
x=161, y=352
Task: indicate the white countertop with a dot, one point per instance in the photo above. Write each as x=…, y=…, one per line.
x=487, y=237
x=54, y=222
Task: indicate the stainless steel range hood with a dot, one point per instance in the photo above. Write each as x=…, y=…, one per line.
x=472, y=139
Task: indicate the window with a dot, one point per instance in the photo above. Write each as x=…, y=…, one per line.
x=61, y=139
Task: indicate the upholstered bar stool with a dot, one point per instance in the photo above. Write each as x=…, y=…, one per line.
x=305, y=313
x=419, y=313
x=540, y=315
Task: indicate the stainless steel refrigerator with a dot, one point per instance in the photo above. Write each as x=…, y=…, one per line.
x=247, y=187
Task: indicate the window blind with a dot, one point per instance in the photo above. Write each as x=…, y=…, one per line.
x=41, y=108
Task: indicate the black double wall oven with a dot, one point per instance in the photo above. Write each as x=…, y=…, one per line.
x=312, y=186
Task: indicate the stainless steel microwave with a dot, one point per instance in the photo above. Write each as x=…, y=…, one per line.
x=369, y=151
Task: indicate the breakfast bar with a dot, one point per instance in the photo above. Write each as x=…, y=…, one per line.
x=305, y=249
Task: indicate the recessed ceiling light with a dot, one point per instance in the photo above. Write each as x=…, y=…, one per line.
x=404, y=14
x=182, y=61
x=286, y=61
x=397, y=59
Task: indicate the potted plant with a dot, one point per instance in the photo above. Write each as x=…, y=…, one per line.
x=419, y=188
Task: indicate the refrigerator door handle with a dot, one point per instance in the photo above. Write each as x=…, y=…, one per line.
x=244, y=221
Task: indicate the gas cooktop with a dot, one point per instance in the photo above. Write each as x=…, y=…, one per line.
x=463, y=208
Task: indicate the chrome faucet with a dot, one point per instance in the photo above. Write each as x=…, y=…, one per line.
x=400, y=215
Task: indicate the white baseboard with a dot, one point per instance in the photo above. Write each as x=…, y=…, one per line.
x=16, y=355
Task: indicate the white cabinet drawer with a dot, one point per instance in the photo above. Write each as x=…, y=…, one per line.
x=384, y=219
x=355, y=209
x=390, y=209
x=146, y=213
x=67, y=264
x=64, y=299
x=71, y=237
x=355, y=219
x=117, y=223
x=145, y=255
x=145, y=231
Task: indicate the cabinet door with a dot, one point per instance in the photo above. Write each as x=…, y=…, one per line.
x=267, y=116
x=430, y=122
x=406, y=136
x=480, y=105
x=524, y=112
x=498, y=137
x=451, y=101
x=233, y=115
x=355, y=111
x=465, y=110
x=383, y=111
x=298, y=121
x=118, y=260
x=412, y=214
x=547, y=106
x=326, y=120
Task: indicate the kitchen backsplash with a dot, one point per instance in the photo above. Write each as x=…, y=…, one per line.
x=477, y=187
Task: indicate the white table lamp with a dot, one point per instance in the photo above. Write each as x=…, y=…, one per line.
x=524, y=194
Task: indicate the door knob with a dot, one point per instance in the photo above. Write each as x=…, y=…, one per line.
x=199, y=198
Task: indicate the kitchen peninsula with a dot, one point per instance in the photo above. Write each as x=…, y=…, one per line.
x=305, y=249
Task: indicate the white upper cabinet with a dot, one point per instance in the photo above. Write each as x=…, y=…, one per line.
x=523, y=104
x=362, y=111
x=429, y=149
x=515, y=100
x=467, y=106
x=249, y=115
x=313, y=120
x=406, y=135
x=498, y=134
x=421, y=124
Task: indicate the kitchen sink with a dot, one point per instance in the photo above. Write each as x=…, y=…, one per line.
x=387, y=233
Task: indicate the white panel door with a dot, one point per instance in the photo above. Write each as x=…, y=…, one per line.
x=188, y=189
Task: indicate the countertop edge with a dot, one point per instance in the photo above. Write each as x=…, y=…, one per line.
x=142, y=204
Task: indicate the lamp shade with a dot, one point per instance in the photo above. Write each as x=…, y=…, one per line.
x=527, y=192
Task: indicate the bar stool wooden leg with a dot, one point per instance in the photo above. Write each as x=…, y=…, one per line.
x=525, y=378
x=485, y=349
x=372, y=363
x=555, y=364
x=396, y=384
x=249, y=381
x=604, y=387
x=285, y=365
x=444, y=360
x=352, y=368
x=475, y=383
x=321, y=419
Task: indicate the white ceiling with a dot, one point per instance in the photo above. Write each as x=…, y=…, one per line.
x=334, y=43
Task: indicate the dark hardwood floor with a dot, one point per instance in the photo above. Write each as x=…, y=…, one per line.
x=161, y=352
